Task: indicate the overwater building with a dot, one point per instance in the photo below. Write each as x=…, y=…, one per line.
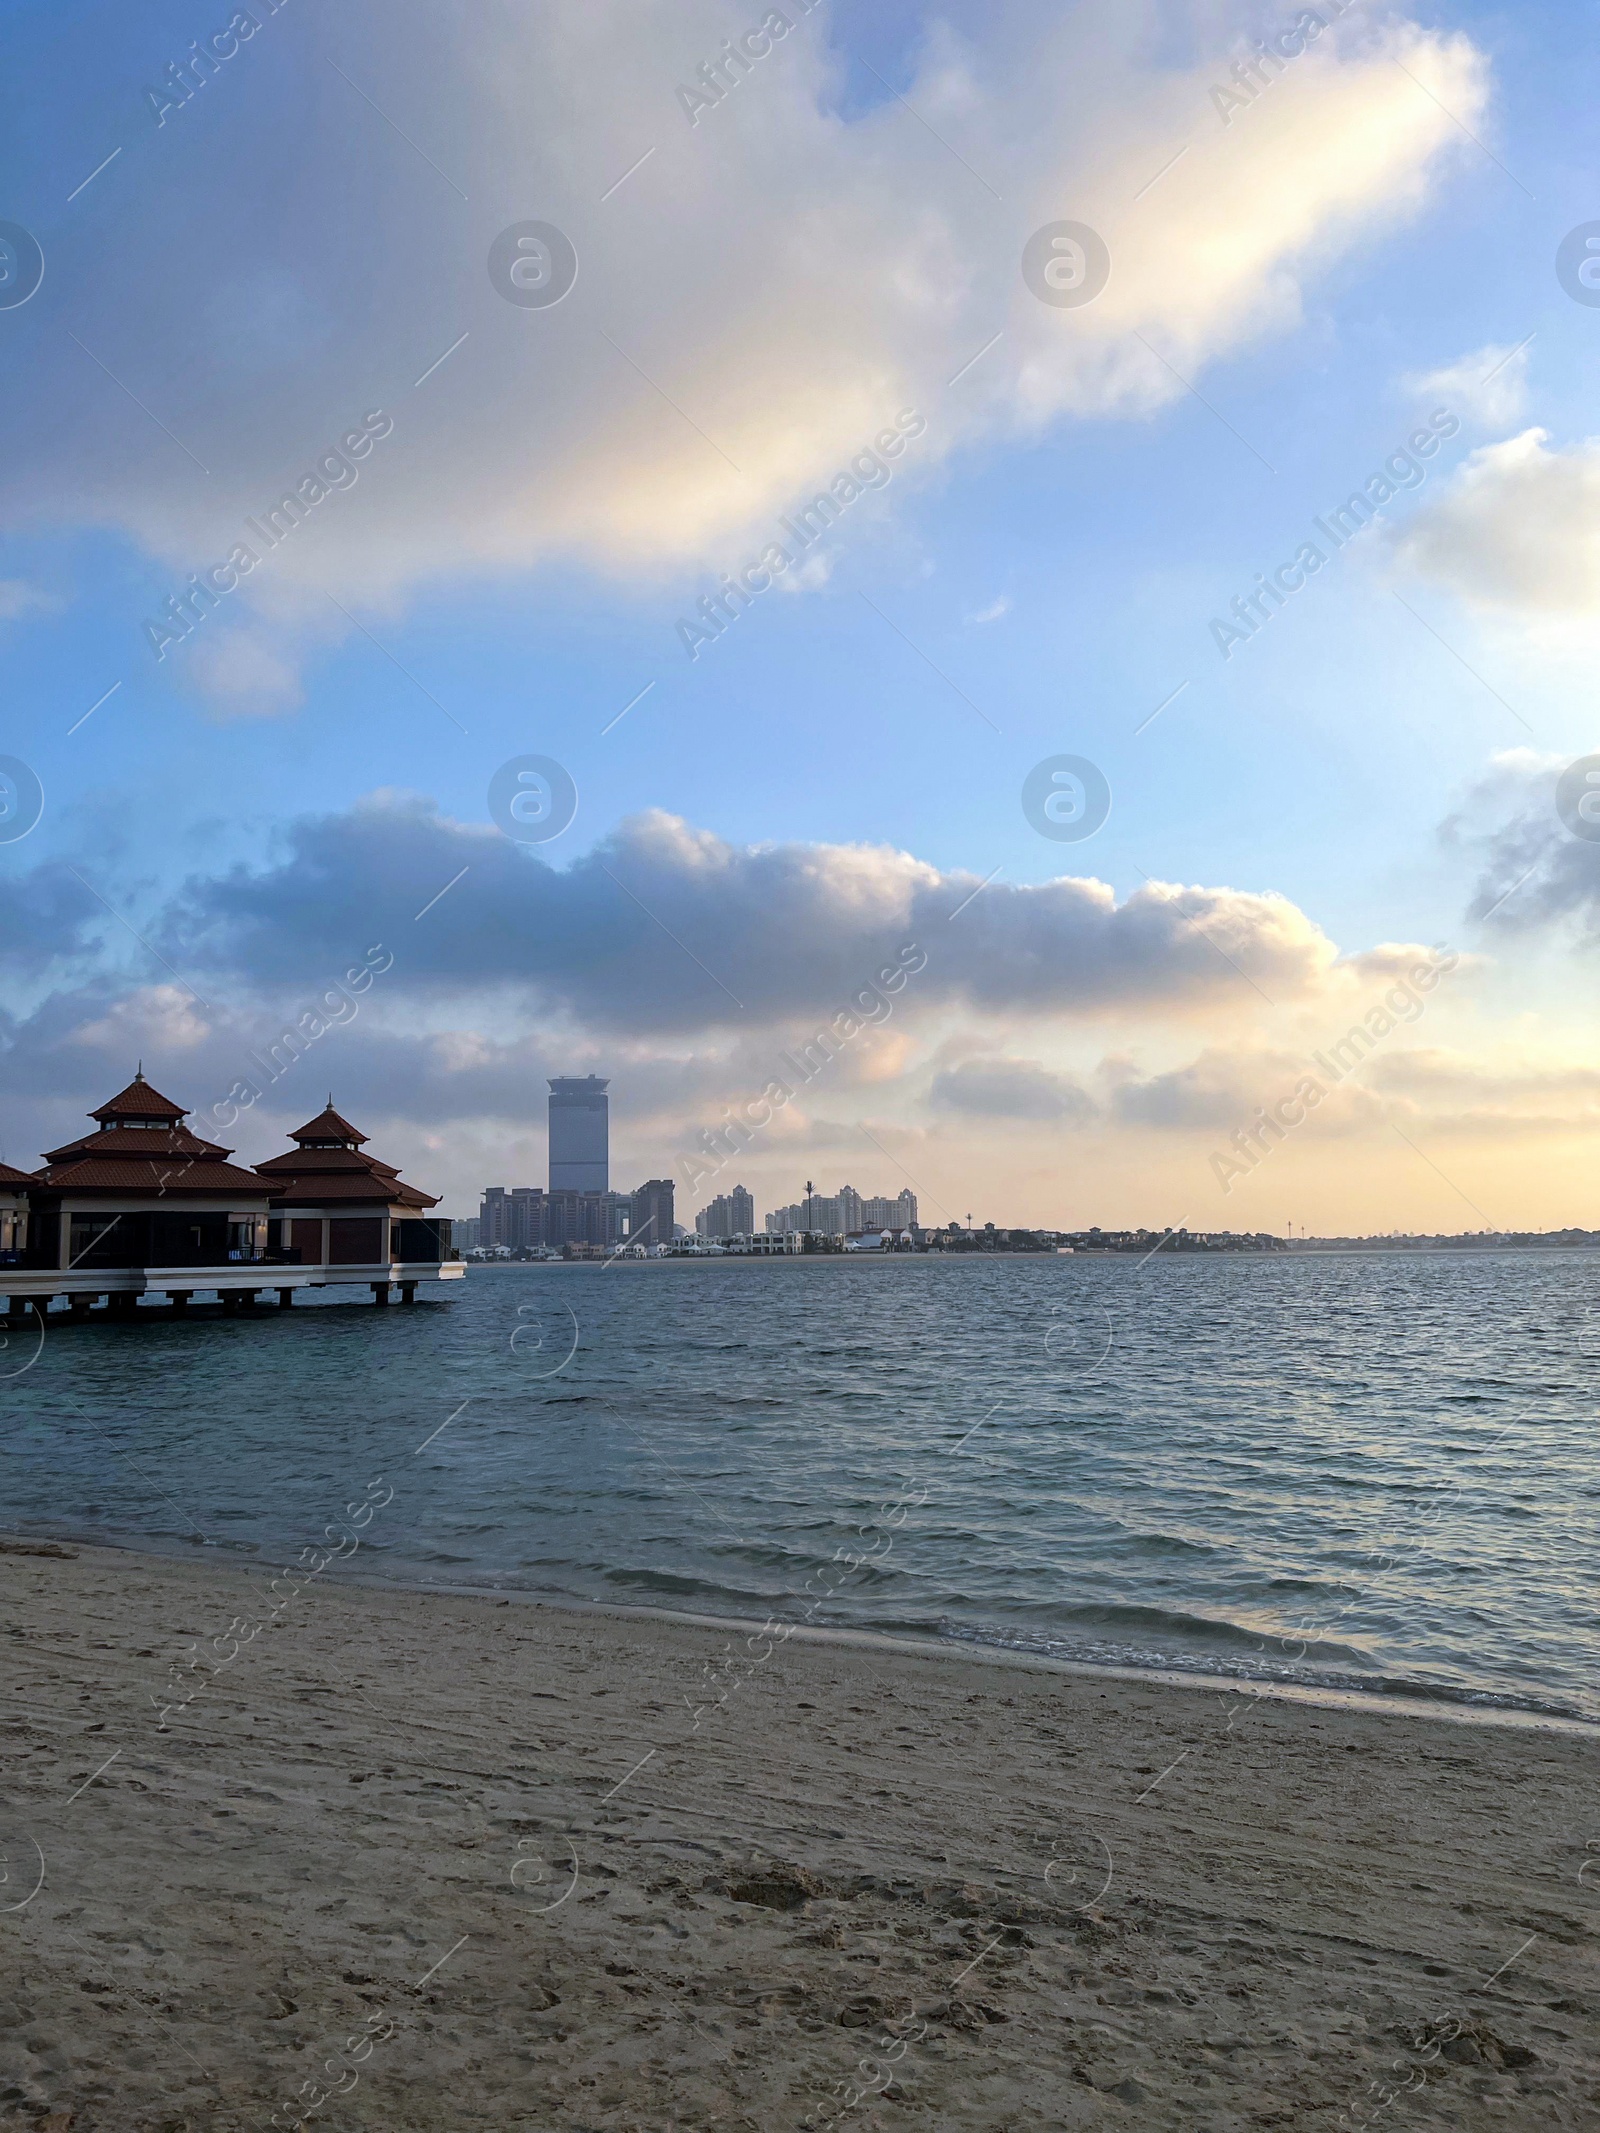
x=143, y=1204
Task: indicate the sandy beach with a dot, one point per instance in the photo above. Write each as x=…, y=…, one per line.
x=399, y=1860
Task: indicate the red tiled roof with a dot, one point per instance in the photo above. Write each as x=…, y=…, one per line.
x=139, y=1100
x=319, y=1189
x=133, y=1143
x=307, y=1176
x=328, y=1126
x=8, y=1176
x=327, y=1159
x=162, y=1158
x=161, y=1180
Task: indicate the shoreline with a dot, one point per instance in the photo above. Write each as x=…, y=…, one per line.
x=1455, y=1708
x=585, y=1866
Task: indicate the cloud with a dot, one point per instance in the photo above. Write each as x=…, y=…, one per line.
x=1517, y=529
x=1471, y=1098
x=1489, y=387
x=245, y=673
x=48, y=917
x=1532, y=871
x=1011, y=1089
x=753, y=305
x=19, y=598
x=1219, y=1091
x=993, y=612
x=667, y=927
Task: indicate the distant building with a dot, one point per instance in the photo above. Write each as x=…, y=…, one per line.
x=844, y=1214
x=527, y=1218
x=464, y=1234
x=514, y=1220
x=731, y=1214
x=580, y=1134
x=819, y=1214
x=584, y=1218
x=651, y=1219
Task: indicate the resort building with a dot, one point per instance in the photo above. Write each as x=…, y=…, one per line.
x=333, y=1205
x=14, y=1186
x=143, y=1205
x=142, y=1190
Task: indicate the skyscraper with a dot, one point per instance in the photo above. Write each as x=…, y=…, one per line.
x=580, y=1134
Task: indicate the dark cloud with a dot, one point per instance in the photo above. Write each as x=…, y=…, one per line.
x=663, y=927
x=1011, y=1088
x=48, y=916
x=1532, y=870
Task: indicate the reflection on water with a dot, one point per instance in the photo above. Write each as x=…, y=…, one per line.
x=1377, y=1471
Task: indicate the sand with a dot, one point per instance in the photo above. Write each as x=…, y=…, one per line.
x=419, y=1861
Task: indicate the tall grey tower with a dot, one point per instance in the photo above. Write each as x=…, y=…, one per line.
x=580, y=1134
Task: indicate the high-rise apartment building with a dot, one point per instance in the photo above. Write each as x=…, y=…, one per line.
x=514, y=1219
x=845, y=1213
x=580, y=1134
x=651, y=1214
x=527, y=1216
x=731, y=1214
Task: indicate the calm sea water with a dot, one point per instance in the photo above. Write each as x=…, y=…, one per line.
x=1379, y=1472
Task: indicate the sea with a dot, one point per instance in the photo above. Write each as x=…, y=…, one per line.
x=1374, y=1473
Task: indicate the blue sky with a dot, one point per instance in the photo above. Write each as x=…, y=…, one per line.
x=292, y=248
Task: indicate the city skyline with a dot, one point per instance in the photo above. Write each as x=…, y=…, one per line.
x=702, y=716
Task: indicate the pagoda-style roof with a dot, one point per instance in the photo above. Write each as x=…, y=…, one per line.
x=162, y=1177
x=138, y=1101
x=330, y=1164
x=143, y=1147
x=9, y=1178
x=329, y=1130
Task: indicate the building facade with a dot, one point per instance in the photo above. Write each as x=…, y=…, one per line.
x=14, y=1186
x=513, y=1220
x=580, y=1134
x=846, y=1213
x=730, y=1214
x=526, y=1218
x=651, y=1218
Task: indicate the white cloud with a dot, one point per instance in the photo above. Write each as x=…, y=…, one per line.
x=245, y=672
x=19, y=598
x=1517, y=529
x=753, y=304
x=993, y=612
x=1489, y=387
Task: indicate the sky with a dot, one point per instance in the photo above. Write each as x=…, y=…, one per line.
x=1184, y=669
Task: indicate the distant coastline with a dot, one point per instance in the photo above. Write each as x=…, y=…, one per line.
x=1464, y=1241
